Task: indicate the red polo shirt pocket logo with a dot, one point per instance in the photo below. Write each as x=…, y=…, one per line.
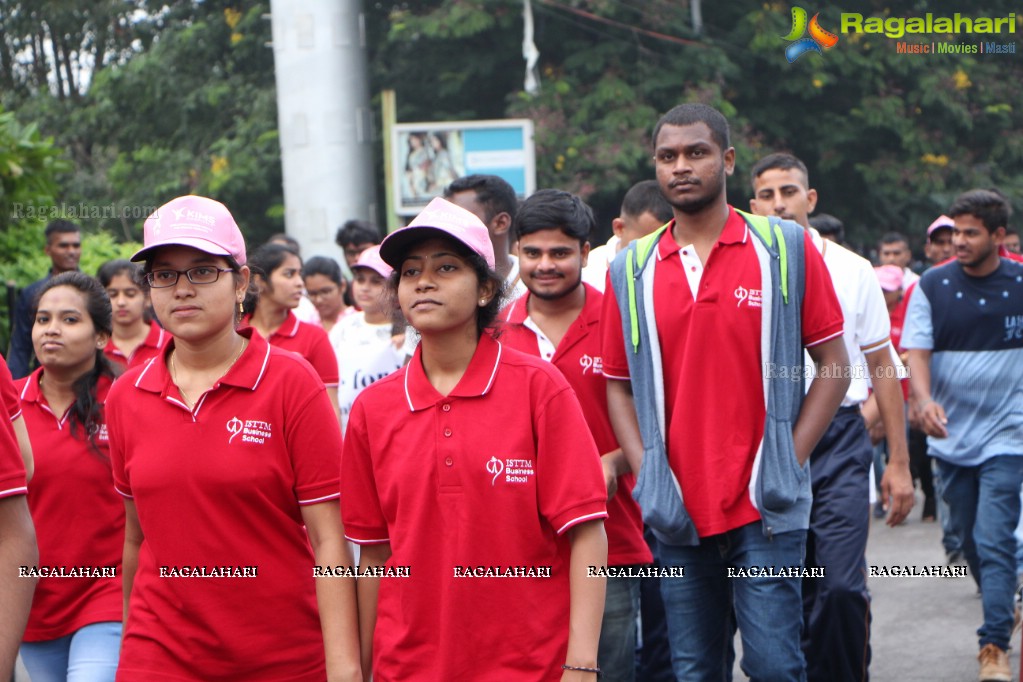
x=751, y=296
x=594, y=363
x=251, y=430
x=495, y=467
x=515, y=471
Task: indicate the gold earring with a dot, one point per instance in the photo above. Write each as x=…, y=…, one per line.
x=241, y=308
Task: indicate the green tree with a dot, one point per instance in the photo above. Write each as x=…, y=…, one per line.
x=889, y=138
x=188, y=107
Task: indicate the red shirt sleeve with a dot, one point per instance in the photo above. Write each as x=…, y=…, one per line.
x=12, y=469
x=569, y=475
x=612, y=342
x=361, y=513
x=115, y=437
x=314, y=443
x=322, y=357
x=9, y=394
x=822, y=315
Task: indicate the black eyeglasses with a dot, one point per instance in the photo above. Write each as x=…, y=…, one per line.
x=203, y=274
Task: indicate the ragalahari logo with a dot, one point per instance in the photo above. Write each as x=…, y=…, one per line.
x=818, y=40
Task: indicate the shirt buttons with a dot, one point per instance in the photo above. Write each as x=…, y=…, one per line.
x=446, y=407
x=449, y=461
x=685, y=253
x=447, y=433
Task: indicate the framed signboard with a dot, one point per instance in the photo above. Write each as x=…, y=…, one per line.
x=428, y=156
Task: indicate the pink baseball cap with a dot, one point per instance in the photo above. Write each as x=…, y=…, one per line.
x=194, y=221
x=440, y=218
x=370, y=258
x=890, y=276
x=939, y=223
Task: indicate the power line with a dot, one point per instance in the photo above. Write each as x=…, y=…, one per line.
x=618, y=24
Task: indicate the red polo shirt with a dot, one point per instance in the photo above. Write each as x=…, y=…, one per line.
x=12, y=468
x=309, y=341
x=9, y=396
x=222, y=485
x=578, y=358
x=491, y=475
x=156, y=340
x=713, y=372
x=79, y=519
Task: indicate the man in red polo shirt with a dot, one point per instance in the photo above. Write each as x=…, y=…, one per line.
x=559, y=321
x=705, y=322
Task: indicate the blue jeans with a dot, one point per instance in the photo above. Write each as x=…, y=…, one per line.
x=1019, y=540
x=984, y=506
x=767, y=610
x=949, y=540
x=653, y=660
x=87, y=655
x=616, y=653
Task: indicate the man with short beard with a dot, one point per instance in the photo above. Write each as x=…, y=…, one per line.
x=559, y=321
x=703, y=341
x=836, y=631
x=964, y=333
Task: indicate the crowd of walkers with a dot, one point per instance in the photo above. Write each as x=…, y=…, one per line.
x=480, y=449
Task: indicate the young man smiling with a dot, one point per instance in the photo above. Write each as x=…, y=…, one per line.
x=559, y=320
x=704, y=323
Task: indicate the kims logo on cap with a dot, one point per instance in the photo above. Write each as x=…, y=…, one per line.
x=190, y=219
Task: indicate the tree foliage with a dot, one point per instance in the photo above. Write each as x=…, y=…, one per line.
x=182, y=101
x=890, y=138
x=151, y=100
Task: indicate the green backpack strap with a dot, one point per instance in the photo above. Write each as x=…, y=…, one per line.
x=762, y=226
x=637, y=258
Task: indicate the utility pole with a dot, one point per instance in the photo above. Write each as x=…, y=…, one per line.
x=324, y=118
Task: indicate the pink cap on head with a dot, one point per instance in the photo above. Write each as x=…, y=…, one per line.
x=890, y=276
x=443, y=219
x=939, y=223
x=193, y=221
x=370, y=258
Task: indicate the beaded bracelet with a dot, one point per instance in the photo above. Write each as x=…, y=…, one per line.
x=581, y=669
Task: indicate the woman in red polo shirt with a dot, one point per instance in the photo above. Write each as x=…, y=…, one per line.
x=75, y=623
x=135, y=338
x=226, y=452
x=470, y=475
x=277, y=290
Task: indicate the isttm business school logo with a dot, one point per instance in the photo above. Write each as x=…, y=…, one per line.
x=818, y=40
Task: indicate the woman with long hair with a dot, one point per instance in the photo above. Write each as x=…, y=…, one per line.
x=225, y=450
x=74, y=628
x=136, y=338
x=276, y=292
x=473, y=467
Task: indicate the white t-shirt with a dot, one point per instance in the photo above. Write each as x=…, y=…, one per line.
x=595, y=272
x=908, y=278
x=364, y=354
x=306, y=311
x=513, y=283
x=867, y=326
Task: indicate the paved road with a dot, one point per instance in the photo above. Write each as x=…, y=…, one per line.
x=924, y=629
